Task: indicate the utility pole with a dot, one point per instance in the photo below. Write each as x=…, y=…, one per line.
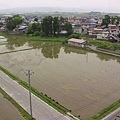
x=29, y=73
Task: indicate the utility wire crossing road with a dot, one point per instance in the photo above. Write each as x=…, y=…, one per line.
x=41, y=110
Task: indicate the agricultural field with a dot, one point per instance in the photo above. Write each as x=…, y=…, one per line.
x=82, y=81
x=8, y=111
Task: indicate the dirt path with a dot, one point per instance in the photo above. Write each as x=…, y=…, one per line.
x=94, y=48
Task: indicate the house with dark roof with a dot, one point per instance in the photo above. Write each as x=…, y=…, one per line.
x=77, y=28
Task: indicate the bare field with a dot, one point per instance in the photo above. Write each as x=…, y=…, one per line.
x=8, y=111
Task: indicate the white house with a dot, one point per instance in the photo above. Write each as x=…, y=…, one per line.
x=104, y=35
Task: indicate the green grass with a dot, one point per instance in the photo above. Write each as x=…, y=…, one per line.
x=24, y=113
x=24, y=38
x=106, y=111
x=43, y=97
x=45, y=39
x=104, y=44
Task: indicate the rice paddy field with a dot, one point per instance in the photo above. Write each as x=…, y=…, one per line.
x=8, y=111
x=82, y=81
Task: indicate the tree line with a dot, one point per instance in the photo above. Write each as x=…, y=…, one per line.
x=110, y=20
x=49, y=26
x=12, y=22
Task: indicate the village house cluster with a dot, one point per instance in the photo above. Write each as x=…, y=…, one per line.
x=90, y=26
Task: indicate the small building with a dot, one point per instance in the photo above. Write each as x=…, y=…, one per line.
x=3, y=29
x=2, y=37
x=94, y=32
x=103, y=36
x=74, y=20
x=77, y=28
x=77, y=42
x=22, y=29
x=112, y=38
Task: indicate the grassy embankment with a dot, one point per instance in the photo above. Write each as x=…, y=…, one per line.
x=104, y=44
x=24, y=113
x=13, y=38
x=99, y=43
x=106, y=111
x=43, y=97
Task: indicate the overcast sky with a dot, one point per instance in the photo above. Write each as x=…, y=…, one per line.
x=88, y=5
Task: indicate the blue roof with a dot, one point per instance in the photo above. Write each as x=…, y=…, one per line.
x=93, y=23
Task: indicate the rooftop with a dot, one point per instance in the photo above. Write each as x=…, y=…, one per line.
x=77, y=40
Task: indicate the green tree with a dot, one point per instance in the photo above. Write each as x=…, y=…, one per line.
x=10, y=25
x=106, y=20
x=17, y=20
x=117, y=20
x=36, y=19
x=69, y=28
x=56, y=26
x=32, y=28
x=62, y=20
x=29, y=29
x=12, y=22
x=1, y=23
x=77, y=36
x=47, y=26
x=112, y=20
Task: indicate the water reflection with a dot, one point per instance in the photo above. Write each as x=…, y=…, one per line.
x=69, y=49
x=48, y=49
x=104, y=57
x=11, y=45
x=52, y=49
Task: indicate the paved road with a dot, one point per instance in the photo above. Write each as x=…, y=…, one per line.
x=113, y=116
x=41, y=111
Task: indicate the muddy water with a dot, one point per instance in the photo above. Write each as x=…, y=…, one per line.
x=8, y=111
x=84, y=82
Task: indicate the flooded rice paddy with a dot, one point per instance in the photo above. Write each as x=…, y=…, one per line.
x=82, y=81
x=8, y=111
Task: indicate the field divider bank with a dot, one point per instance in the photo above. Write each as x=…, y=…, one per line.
x=106, y=111
x=16, y=51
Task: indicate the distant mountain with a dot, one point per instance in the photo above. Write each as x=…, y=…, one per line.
x=49, y=10
x=39, y=9
x=94, y=13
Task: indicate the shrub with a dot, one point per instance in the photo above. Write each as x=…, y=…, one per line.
x=36, y=33
x=77, y=36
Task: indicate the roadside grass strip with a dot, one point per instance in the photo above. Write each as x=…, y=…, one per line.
x=106, y=111
x=16, y=51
